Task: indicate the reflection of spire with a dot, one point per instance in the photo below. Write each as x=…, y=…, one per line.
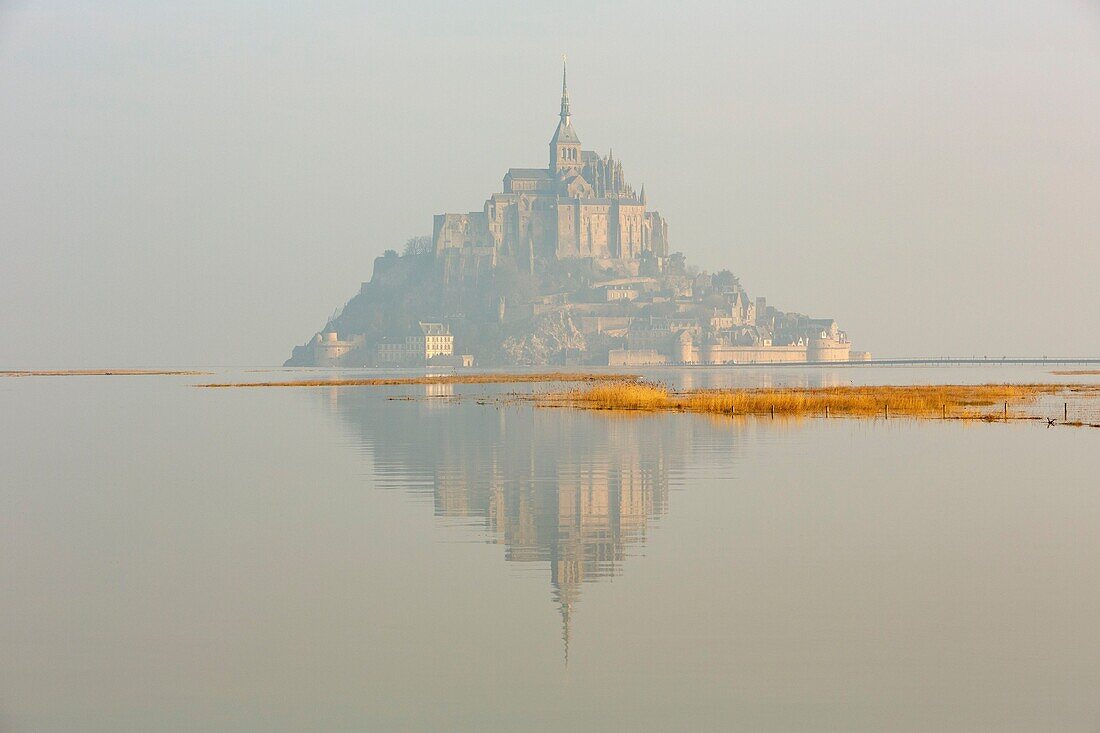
x=565, y=609
x=567, y=587
x=566, y=576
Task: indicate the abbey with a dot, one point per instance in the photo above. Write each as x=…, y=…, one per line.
x=580, y=205
x=565, y=265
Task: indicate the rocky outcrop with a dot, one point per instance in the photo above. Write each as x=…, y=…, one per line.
x=567, y=311
x=543, y=339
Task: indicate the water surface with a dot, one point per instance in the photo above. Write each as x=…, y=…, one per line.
x=173, y=558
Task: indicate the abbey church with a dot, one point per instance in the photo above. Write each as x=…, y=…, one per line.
x=580, y=205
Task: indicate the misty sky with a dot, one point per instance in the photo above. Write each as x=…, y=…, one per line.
x=203, y=183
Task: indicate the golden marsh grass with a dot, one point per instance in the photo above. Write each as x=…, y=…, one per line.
x=981, y=401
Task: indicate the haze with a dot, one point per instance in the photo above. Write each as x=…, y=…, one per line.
x=204, y=183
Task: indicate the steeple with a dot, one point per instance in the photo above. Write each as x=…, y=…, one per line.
x=565, y=146
x=564, y=94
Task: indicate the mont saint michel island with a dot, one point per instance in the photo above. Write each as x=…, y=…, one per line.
x=568, y=264
x=365, y=368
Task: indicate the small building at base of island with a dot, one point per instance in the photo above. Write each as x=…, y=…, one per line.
x=429, y=344
x=329, y=350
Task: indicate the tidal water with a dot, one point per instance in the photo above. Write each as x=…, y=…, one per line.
x=348, y=559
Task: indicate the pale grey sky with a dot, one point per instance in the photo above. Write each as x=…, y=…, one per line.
x=205, y=182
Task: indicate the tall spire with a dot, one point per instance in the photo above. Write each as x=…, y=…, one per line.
x=564, y=94
x=565, y=146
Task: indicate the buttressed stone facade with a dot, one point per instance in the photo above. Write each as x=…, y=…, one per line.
x=580, y=205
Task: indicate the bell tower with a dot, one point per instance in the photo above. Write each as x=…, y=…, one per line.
x=565, y=146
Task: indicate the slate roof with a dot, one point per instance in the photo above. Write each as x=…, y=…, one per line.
x=565, y=134
x=528, y=173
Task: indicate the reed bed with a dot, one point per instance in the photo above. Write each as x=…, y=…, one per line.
x=958, y=401
x=625, y=396
x=443, y=379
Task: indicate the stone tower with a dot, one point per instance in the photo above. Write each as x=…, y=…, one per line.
x=565, y=146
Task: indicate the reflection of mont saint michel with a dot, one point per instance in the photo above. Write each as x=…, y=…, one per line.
x=572, y=490
x=567, y=264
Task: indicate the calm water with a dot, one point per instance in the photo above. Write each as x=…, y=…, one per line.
x=179, y=559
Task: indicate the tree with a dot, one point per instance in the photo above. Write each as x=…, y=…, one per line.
x=418, y=246
x=677, y=264
x=725, y=281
